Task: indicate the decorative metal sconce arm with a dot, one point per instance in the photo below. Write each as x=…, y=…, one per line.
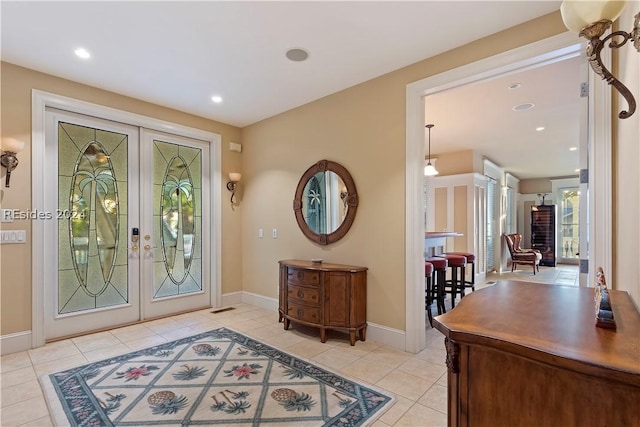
x=593, y=32
x=231, y=186
x=9, y=160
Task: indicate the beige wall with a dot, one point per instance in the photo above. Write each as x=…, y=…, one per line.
x=459, y=162
x=16, y=86
x=534, y=186
x=363, y=128
x=626, y=178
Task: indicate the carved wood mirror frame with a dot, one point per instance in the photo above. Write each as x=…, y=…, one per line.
x=351, y=201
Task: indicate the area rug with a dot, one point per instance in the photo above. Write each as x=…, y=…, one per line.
x=220, y=377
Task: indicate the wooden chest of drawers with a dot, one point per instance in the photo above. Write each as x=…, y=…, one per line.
x=326, y=296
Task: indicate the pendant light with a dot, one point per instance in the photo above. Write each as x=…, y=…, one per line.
x=429, y=170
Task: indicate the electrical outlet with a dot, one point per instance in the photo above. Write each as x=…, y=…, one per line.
x=260, y=233
x=274, y=233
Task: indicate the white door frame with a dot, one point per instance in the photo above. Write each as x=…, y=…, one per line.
x=41, y=100
x=543, y=52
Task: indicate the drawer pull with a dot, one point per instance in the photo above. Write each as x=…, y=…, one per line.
x=300, y=275
x=300, y=294
x=301, y=313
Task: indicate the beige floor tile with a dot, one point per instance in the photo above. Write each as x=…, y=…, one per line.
x=368, y=371
x=228, y=317
x=174, y=334
x=434, y=355
x=435, y=398
x=378, y=423
x=388, y=356
x=282, y=341
x=132, y=333
x=443, y=380
x=399, y=408
x=11, y=362
x=105, y=353
x=334, y=358
x=247, y=325
x=205, y=327
x=59, y=365
x=259, y=313
x=422, y=416
x=363, y=346
x=17, y=376
x=53, y=351
x=190, y=319
x=145, y=342
x=267, y=331
x=95, y=341
x=163, y=325
x=422, y=368
x=40, y=422
x=435, y=341
x=267, y=319
x=24, y=412
x=20, y=392
x=307, y=349
x=406, y=385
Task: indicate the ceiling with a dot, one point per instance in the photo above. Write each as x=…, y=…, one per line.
x=180, y=54
x=481, y=117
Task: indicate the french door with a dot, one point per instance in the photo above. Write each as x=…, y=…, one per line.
x=128, y=227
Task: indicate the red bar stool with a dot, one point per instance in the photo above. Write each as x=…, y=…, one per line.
x=471, y=259
x=428, y=297
x=457, y=264
x=438, y=280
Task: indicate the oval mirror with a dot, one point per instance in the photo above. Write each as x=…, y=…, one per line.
x=325, y=202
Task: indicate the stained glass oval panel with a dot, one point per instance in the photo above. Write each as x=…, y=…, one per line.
x=178, y=225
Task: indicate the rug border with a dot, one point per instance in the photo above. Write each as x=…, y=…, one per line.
x=59, y=417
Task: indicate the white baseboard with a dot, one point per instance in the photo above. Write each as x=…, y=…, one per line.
x=388, y=336
x=232, y=298
x=260, y=301
x=13, y=343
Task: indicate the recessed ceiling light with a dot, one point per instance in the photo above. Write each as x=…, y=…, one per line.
x=573, y=148
x=515, y=86
x=217, y=99
x=540, y=128
x=82, y=53
x=524, y=107
x=297, y=54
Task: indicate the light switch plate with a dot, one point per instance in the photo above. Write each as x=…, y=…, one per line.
x=13, y=236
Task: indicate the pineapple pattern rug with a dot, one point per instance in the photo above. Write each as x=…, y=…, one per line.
x=220, y=377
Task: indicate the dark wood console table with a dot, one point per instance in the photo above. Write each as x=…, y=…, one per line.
x=323, y=295
x=529, y=354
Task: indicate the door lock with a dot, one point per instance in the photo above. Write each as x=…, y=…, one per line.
x=135, y=237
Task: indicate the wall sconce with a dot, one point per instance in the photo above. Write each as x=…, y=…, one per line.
x=8, y=159
x=591, y=19
x=234, y=178
x=429, y=169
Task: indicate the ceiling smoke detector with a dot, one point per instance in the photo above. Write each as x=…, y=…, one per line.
x=297, y=54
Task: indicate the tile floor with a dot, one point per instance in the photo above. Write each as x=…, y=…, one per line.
x=418, y=381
